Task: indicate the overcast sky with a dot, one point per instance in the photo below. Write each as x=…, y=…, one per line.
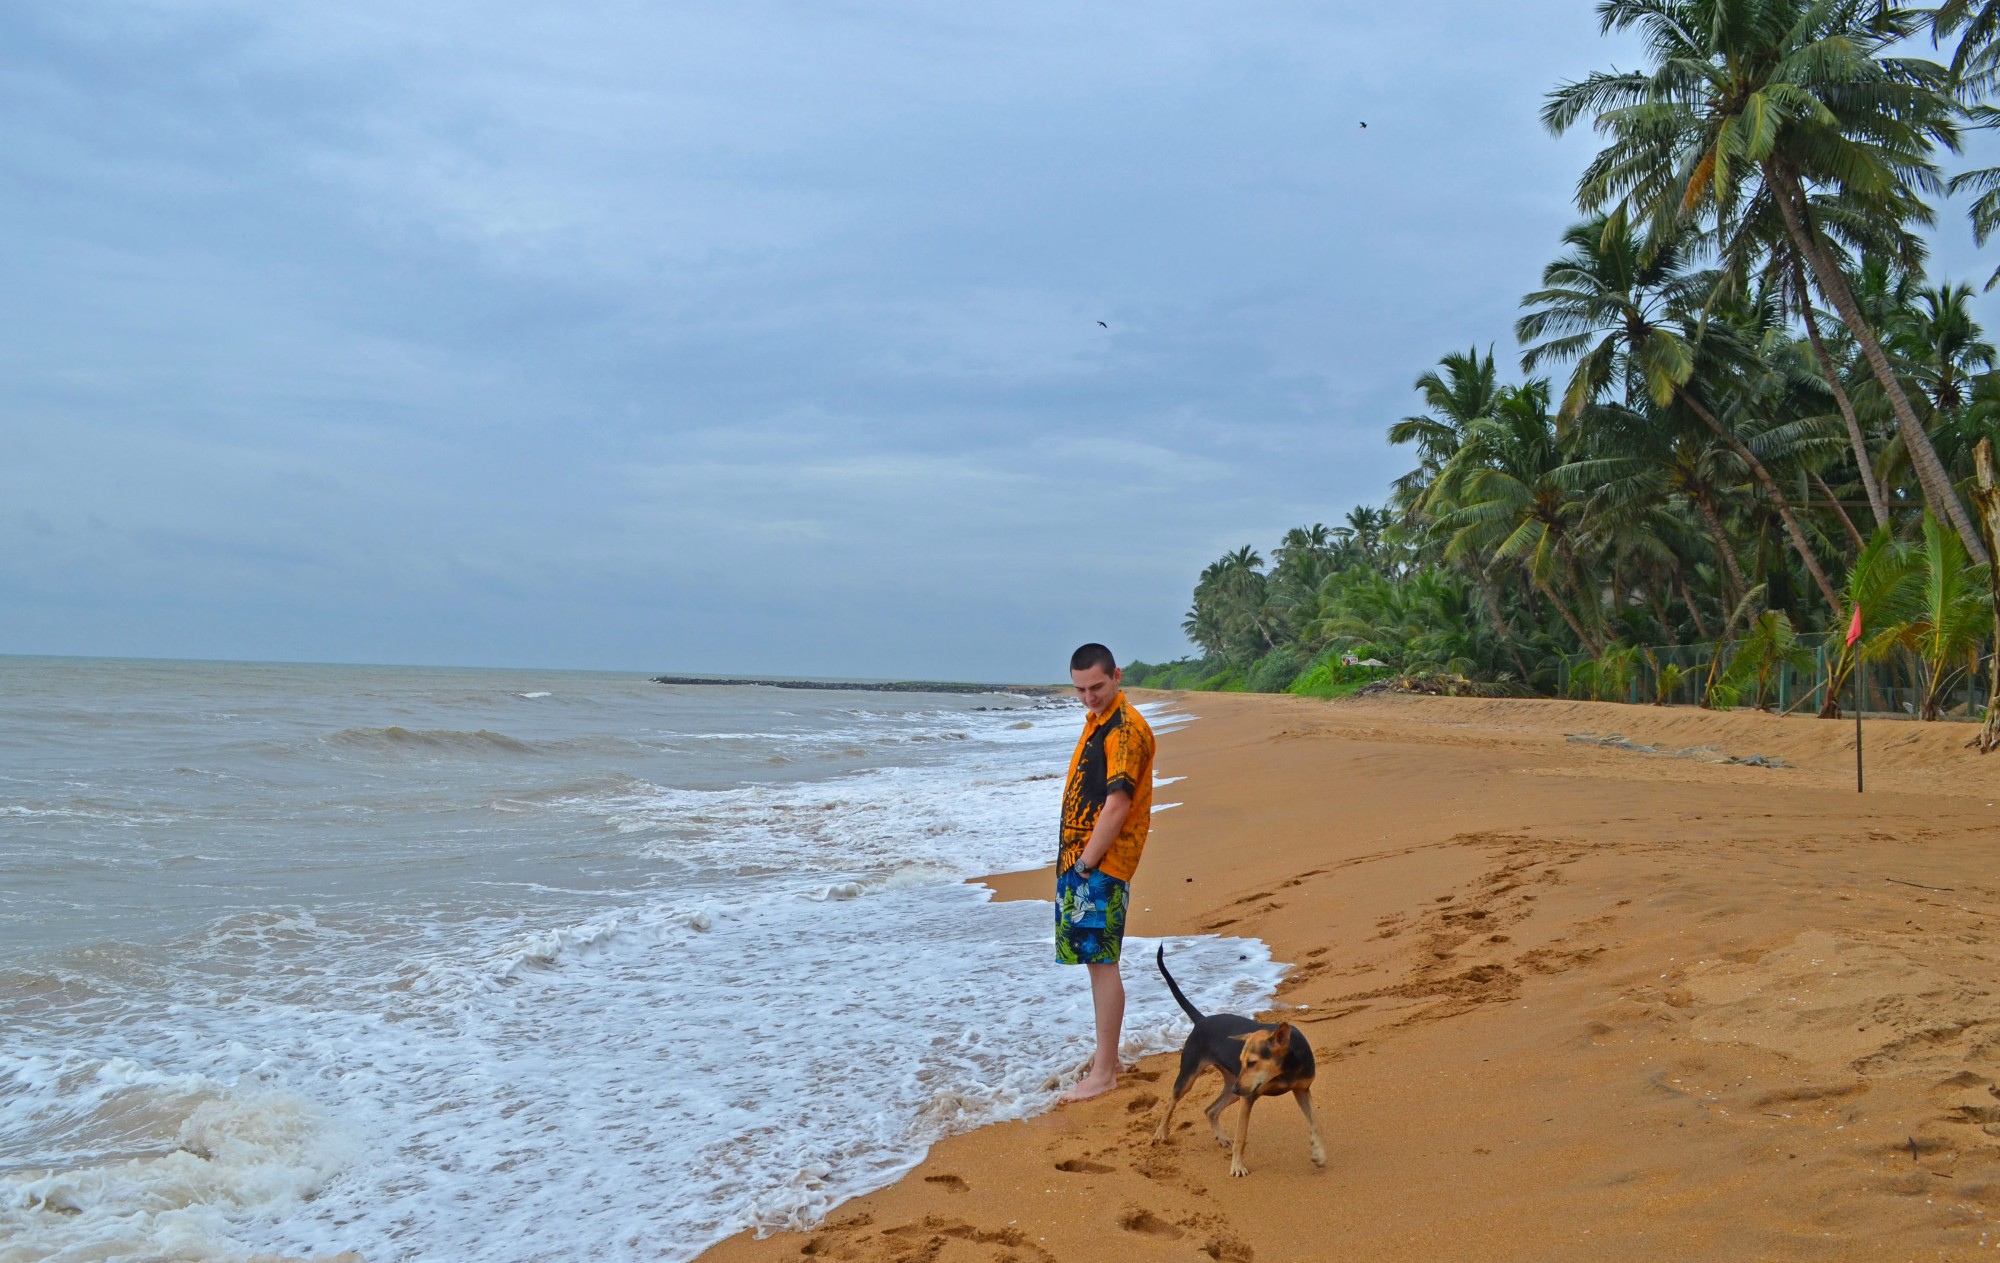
x=733, y=337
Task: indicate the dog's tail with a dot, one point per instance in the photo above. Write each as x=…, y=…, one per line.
x=1160, y=959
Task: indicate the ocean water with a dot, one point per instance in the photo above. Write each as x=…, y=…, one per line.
x=457, y=964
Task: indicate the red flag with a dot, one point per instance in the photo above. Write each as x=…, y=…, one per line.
x=1854, y=628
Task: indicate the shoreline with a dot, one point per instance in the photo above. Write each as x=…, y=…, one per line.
x=1569, y=1000
x=866, y=686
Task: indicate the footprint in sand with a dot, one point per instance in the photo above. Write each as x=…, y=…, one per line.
x=1970, y=1098
x=949, y=1183
x=1083, y=1166
x=938, y=1231
x=1146, y=1223
x=1156, y=1166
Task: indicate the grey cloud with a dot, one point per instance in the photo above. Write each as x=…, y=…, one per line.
x=731, y=336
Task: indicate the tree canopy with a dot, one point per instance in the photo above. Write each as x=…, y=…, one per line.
x=1743, y=410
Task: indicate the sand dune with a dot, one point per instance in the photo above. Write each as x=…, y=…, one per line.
x=1570, y=1000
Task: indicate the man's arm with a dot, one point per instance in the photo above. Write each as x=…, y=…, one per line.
x=1110, y=819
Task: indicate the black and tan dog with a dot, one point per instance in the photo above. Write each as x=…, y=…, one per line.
x=1255, y=1059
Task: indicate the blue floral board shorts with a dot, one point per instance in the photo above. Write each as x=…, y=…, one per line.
x=1090, y=917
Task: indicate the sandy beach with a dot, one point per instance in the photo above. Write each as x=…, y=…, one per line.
x=1570, y=1000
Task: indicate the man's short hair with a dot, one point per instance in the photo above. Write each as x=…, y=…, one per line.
x=1093, y=655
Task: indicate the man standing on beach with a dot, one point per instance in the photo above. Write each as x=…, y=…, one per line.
x=1107, y=809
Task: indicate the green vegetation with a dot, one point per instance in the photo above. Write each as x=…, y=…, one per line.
x=1744, y=408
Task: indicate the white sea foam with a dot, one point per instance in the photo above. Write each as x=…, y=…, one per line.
x=231, y=1159
x=813, y=999
x=973, y=818
x=628, y=1093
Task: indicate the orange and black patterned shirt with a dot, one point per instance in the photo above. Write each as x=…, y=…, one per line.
x=1115, y=753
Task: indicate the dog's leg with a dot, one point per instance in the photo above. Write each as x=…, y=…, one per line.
x=1192, y=1064
x=1181, y=1086
x=1236, y=1166
x=1305, y=1099
x=1215, y=1108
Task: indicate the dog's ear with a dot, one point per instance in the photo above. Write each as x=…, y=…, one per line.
x=1281, y=1036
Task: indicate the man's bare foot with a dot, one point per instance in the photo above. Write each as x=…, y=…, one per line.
x=1087, y=1087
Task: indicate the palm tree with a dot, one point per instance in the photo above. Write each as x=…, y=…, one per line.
x=1881, y=584
x=1430, y=615
x=1778, y=406
x=1457, y=396
x=1305, y=556
x=1940, y=355
x=1612, y=305
x=1943, y=346
x=1365, y=525
x=1519, y=502
x=1778, y=98
x=1650, y=466
x=1763, y=234
x=1202, y=625
x=1233, y=616
x=1302, y=563
x=1802, y=300
x=1463, y=392
x=1975, y=71
x=1952, y=617
x=1976, y=23
x=1769, y=643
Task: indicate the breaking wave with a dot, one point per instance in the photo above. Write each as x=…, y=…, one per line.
x=181, y=1163
x=428, y=739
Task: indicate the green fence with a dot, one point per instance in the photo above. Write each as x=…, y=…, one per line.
x=1890, y=687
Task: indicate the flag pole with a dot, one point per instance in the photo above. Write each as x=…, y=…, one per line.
x=1854, y=642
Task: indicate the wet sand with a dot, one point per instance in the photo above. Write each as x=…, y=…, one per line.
x=1569, y=1001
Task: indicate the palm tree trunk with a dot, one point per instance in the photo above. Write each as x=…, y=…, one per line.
x=1986, y=494
x=1726, y=550
x=1853, y=532
x=1493, y=610
x=1484, y=583
x=1663, y=609
x=1486, y=594
x=1876, y=501
x=1694, y=611
x=1582, y=637
x=1778, y=501
x=1931, y=475
x=1597, y=644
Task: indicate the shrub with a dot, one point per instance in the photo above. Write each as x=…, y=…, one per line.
x=1329, y=677
x=1274, y=672
x=1667, y=681
x=1158, y=675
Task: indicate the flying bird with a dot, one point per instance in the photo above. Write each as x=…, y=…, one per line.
x=1364, y=127
x=1102, y=325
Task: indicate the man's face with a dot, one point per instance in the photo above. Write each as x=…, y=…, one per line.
x=1096, y=688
